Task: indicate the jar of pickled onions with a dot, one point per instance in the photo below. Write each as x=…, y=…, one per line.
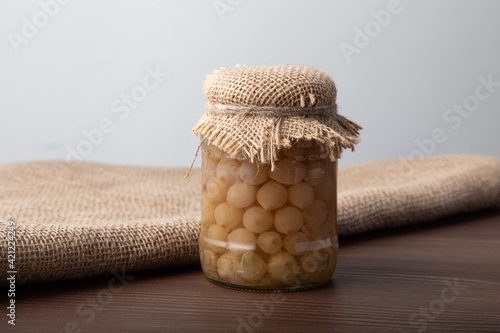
x=271, y=138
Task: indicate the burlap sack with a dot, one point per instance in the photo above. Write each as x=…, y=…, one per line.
x=83, y=219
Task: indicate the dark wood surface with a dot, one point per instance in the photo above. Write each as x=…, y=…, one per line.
x=389, y=281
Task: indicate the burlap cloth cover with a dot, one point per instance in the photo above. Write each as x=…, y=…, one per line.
x=255, y=111
x=84, y=219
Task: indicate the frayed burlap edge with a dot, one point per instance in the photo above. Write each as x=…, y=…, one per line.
x=259, y=136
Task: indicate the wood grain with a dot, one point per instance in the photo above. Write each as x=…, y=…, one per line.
x=382, y=282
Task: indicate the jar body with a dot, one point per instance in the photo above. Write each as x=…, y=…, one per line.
x=269, y=231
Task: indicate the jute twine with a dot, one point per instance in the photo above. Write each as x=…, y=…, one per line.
x=255, y=111
x=76, y=220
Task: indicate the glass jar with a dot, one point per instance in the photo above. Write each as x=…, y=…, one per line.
x=269, y=230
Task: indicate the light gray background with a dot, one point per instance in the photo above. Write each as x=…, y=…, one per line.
x=65, y=79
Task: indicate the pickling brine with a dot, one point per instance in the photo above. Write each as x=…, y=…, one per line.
x=270, y=230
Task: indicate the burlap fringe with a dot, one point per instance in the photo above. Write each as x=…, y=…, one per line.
x=259, y=136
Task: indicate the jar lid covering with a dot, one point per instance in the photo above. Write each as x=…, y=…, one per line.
x=276, y=85
x=253, y=112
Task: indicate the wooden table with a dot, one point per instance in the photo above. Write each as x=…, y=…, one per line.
x=439, y=276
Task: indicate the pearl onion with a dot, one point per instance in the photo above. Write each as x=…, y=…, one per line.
x=253, y=174
x=257, y=219
x=295, y=152
x=288, y=171
x=311, y=226
x=288, y=220
x=207, y=211
x=323, y=231
x=312, y=265
x=327, y=189
x=272, y=195
x=214, y=153
x=311, y=262
x=282, y=267
x=296, y=243
x=269, y=242
x=241, y=195
x=208, y=260
x=253, y=268
x=317, y=212
x=314, y=153
x=228, y=216
x=267, y=280
x=202, y=242
x=216, y=190
x=228, y=266
x=316, y=172
x=217, y=237
x=241, y=240
x=314, y=220
x=226, y=170
x=301, y=195
x=210, y=168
